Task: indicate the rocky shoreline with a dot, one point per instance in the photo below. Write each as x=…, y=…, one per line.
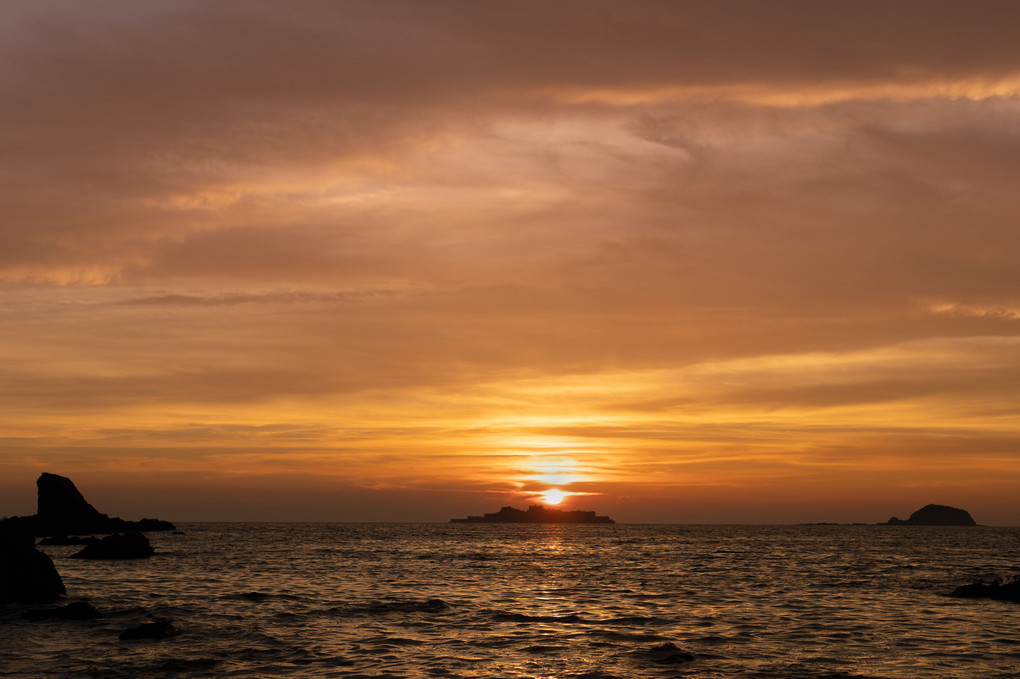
x=27, y=575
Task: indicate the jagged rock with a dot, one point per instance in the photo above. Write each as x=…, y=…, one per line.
x=935, y=515
x=78, y=610
x=1002, y=590
x=62, y=510
x=161, y=629
x=127, y=546
x=60, y=505
x=26, y=574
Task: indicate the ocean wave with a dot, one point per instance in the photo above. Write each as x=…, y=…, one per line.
x=412, y=601
x=521, y=617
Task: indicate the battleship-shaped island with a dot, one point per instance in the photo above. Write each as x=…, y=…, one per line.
x=536, y=514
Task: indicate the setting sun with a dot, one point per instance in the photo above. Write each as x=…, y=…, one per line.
x=337, y=297
x=506, y=338
x=553, y=497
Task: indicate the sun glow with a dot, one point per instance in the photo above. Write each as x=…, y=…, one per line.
x=553, y=496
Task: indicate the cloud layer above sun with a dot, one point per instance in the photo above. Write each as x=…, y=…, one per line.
x=731, y=261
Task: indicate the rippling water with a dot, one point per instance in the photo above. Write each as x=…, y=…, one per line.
x=432, y=600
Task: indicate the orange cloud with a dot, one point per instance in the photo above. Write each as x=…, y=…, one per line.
x=710, y=257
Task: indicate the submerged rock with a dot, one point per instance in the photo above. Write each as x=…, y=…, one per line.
x=428, y=606
x=935, y=515
x=62, y=510
x=26, y=574
x=127, y=546
x=571, y=618
x=668, y=654
x=161, y=629
x=78, y=610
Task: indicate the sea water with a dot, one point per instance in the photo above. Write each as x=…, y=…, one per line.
x=435, y=600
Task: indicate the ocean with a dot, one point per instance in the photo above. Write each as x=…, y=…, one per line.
x=536, y=601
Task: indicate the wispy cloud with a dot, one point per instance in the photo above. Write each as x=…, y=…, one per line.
x=236, y=298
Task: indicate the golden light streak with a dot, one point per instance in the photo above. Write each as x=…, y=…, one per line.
x=803, y=95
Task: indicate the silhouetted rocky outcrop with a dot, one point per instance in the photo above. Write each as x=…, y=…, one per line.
x=536, y=514
x=1002, y=590
x=26, y=574
x=127, y=546
x=63, y=511
x=935, y=515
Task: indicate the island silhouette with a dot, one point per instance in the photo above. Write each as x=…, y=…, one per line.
x=935, y=515
x=536, y=514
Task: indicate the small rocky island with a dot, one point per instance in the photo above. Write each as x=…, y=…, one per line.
x=536, y=514
x=62, y=510
x=935, y=515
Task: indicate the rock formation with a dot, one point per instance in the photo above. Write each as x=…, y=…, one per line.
x=127, y=546
x=1003, y=590
x=63, y=511
x=935, y=515
x=536, y=514
x=26, y=574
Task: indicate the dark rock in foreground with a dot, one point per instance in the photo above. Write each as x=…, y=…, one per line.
x=127, y=546
x=536, y=514
x=935, y=515
x=26, y=574
x=161, y=629
x=1006, y=590
x=78, y=610
x=62, y=510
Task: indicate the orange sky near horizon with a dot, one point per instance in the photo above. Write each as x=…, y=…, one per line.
x=685, y=261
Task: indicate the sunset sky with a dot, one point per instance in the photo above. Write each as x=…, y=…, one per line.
x=741, y=262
